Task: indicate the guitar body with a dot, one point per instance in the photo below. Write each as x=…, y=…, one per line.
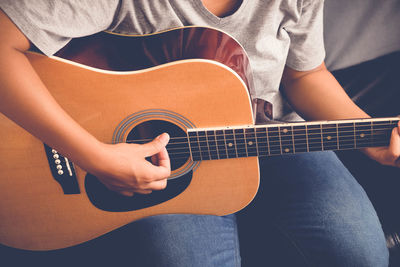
x=115, y=102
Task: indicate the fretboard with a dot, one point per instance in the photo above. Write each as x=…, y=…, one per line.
x=288, y=138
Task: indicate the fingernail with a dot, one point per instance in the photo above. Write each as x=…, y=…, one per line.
x=164, y=137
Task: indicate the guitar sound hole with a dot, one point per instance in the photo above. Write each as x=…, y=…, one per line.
x=105, y=199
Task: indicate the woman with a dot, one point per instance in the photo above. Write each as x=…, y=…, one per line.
x=317, y=203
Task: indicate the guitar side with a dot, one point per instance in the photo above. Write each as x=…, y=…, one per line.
x=35, y=214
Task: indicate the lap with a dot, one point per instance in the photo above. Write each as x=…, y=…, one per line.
x=311, y=200
x=186, y=240
x=319, y=208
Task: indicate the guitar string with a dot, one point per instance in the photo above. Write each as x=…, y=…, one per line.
x=253, y=137
x=230, y=154
x=213, y=143
x=289, y=132
x=319, y=128
x=277, y=139
x=277, y=147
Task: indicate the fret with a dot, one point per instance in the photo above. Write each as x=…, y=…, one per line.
x=381, y=131
x=204, y=150
x=314, y=137
x=211, y=144
x=308, y=144
x=372, y=133
x=322, y=138
x=262, y=141
x=363, y=134
x=300, y=139
x=226, y=144
x=240, y=143
x=274, y=141
x=230, y=144
x=346, y=135
x=215, y=141
x=221, y=144
x=268, y=143
x=194, y=146
x=294, y=148
x=337, y=136
x=280, y=139
x=251, y=142
x=286, y=136
x=329, y=137
x=255, y=137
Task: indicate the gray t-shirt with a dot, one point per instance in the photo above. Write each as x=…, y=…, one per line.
x=273, y=32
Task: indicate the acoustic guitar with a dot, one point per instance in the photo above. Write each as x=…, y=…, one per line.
x=191, y=82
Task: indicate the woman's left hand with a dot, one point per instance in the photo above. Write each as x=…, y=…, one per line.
x=387, y=155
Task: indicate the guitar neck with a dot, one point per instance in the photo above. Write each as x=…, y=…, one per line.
x=289, y=138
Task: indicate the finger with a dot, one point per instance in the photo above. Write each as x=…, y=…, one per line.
x=395, y=142
x=123, y=190
x=143, y=191
x=130, y=192
x=394, y=147
x=163, y=168
x=398, y=127
x=163, y=158
x=126, y=193
x=157, y=185
x=154, y=159
x=156, y=173
x=156, y=145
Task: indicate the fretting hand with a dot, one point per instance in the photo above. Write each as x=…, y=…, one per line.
x=387, y=155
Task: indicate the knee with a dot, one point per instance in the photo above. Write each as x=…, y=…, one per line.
x=187, y=240
x=352, y=245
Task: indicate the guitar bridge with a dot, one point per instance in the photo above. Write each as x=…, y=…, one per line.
x=63, y=171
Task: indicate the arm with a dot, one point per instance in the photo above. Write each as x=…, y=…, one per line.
x=316, y=95
x=25, y=100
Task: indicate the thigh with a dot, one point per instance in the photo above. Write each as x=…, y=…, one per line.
x=185, y=240
x=158, y=241
x=320, y=209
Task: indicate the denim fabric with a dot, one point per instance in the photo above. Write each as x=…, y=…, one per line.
x=315, y=204
x=186, y=241
x=311, y=199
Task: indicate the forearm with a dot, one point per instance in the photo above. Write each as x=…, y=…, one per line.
x=316, y=95
x=26, y=101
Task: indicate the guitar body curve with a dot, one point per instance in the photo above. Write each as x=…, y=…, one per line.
x=36, y=214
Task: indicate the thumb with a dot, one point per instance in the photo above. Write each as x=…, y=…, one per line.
x=395, y=141
x=395, y=145
x=156, y=145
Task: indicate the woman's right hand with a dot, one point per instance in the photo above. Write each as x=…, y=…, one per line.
x=123, y=168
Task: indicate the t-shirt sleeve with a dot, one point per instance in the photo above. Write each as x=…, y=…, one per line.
x=306, y=37
x=50, y=25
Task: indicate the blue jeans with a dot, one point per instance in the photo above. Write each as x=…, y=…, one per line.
x=311, y=199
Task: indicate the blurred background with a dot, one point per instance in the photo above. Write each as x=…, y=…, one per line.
x=362, y=41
